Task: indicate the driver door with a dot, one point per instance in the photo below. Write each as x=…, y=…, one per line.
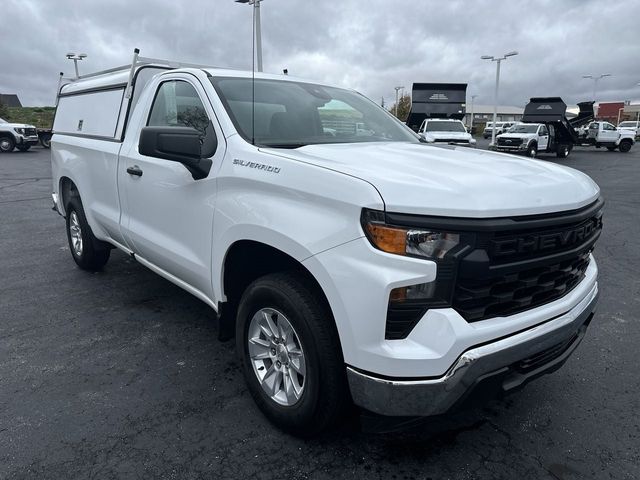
x=543, y=138
x=167, y=216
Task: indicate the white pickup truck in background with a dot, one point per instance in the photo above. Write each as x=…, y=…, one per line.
x=17, y=135
x=605, y=134
x=350, y=264
x=531, y=139
x=632, y=126
x=444, y=130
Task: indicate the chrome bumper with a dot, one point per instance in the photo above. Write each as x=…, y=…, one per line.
x=502, y=365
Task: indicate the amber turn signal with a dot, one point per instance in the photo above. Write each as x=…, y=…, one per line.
x=388, y=239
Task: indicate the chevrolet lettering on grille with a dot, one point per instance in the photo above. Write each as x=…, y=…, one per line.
x=546, y=241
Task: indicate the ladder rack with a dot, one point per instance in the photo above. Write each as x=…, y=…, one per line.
x=137, y=61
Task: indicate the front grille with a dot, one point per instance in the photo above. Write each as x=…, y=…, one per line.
x=30, y=132
x=502, y=266
x=518, y=269
x=509, y=142
x=451, y=140
x=477, y=299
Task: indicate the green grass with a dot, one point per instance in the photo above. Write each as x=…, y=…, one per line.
x=41, y=117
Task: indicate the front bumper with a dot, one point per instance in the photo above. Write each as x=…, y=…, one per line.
x=30, y=140
x=502, y=365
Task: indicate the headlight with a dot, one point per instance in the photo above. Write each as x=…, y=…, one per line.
x=413, y=242
x=19, y=130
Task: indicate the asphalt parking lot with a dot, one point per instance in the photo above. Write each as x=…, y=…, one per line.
x=119, y=374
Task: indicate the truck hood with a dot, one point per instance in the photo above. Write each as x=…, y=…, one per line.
x=517, y=135
x=453, y=181
x=447, y=135
x=15, y=125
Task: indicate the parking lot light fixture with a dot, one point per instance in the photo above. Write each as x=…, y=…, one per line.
x=397, y=89
x=75, y=57
x=595, y=81
x=256, y=26
x=495, y=94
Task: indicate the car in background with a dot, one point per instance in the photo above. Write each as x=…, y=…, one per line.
x=17, y=135
x=501, y=127
x=632, y=126
x=445, y=130
x=605, y=134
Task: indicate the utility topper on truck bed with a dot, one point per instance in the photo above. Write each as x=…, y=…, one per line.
x=353, y=264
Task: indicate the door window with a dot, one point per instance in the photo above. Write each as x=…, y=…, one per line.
x=543, y=131
x=177, y=104
x=608, y=126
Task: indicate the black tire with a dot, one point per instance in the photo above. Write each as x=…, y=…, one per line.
x=23, y=148
x=7, y=144
x=624, y=146
x=325, y=396
x=563, y=151
x=532, y=150
x=45, y=141
x=93, y=253
x=611, y=149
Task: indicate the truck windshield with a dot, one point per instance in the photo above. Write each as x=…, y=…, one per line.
x=523, y=129
x=445, y=127
x=289, y=114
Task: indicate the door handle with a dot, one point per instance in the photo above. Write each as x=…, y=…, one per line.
x=135, y=170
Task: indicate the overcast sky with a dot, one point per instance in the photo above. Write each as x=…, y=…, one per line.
x=369, y=45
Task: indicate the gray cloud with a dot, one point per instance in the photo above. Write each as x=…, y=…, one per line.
x=370, y=46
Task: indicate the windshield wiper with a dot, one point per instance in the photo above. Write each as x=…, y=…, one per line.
x=284, y=145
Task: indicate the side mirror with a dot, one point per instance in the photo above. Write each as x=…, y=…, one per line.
x=180, y=144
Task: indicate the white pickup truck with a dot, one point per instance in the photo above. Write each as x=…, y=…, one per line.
x=604, y=134
x=17, y=135
x=531, y=139
x=373, y=269
x=445, y=130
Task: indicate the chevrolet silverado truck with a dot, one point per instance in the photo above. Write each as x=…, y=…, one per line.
x=501, y=127
x=445, y=130
x=349, y=268
x=17, y=135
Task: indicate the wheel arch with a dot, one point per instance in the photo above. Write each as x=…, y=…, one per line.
x=67, y=189
x=247, y=259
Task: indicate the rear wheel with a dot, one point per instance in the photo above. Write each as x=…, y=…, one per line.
x=625, y=146
x=24, y=148
x=88, y=252
x=563, y=151
x=290, y=354
x=7, y=144
x=532, y=150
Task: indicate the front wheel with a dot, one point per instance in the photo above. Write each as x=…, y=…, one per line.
x=624, y=146
x=7, y=144
x=532, y=150
x=45, y=140
x=290, y=354
x=88, y=252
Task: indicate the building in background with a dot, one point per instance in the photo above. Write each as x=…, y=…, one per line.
x=10, y=100
x=484, y=113
x=609, y=111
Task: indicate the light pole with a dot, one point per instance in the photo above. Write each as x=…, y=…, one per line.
x=595, y=82
x=473, y=97
x=256, y=25
x=75, y=57
x=397, y=89
x=495, y=94
x=638, y=116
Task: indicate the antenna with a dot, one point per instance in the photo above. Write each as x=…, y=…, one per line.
x=253, y=79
